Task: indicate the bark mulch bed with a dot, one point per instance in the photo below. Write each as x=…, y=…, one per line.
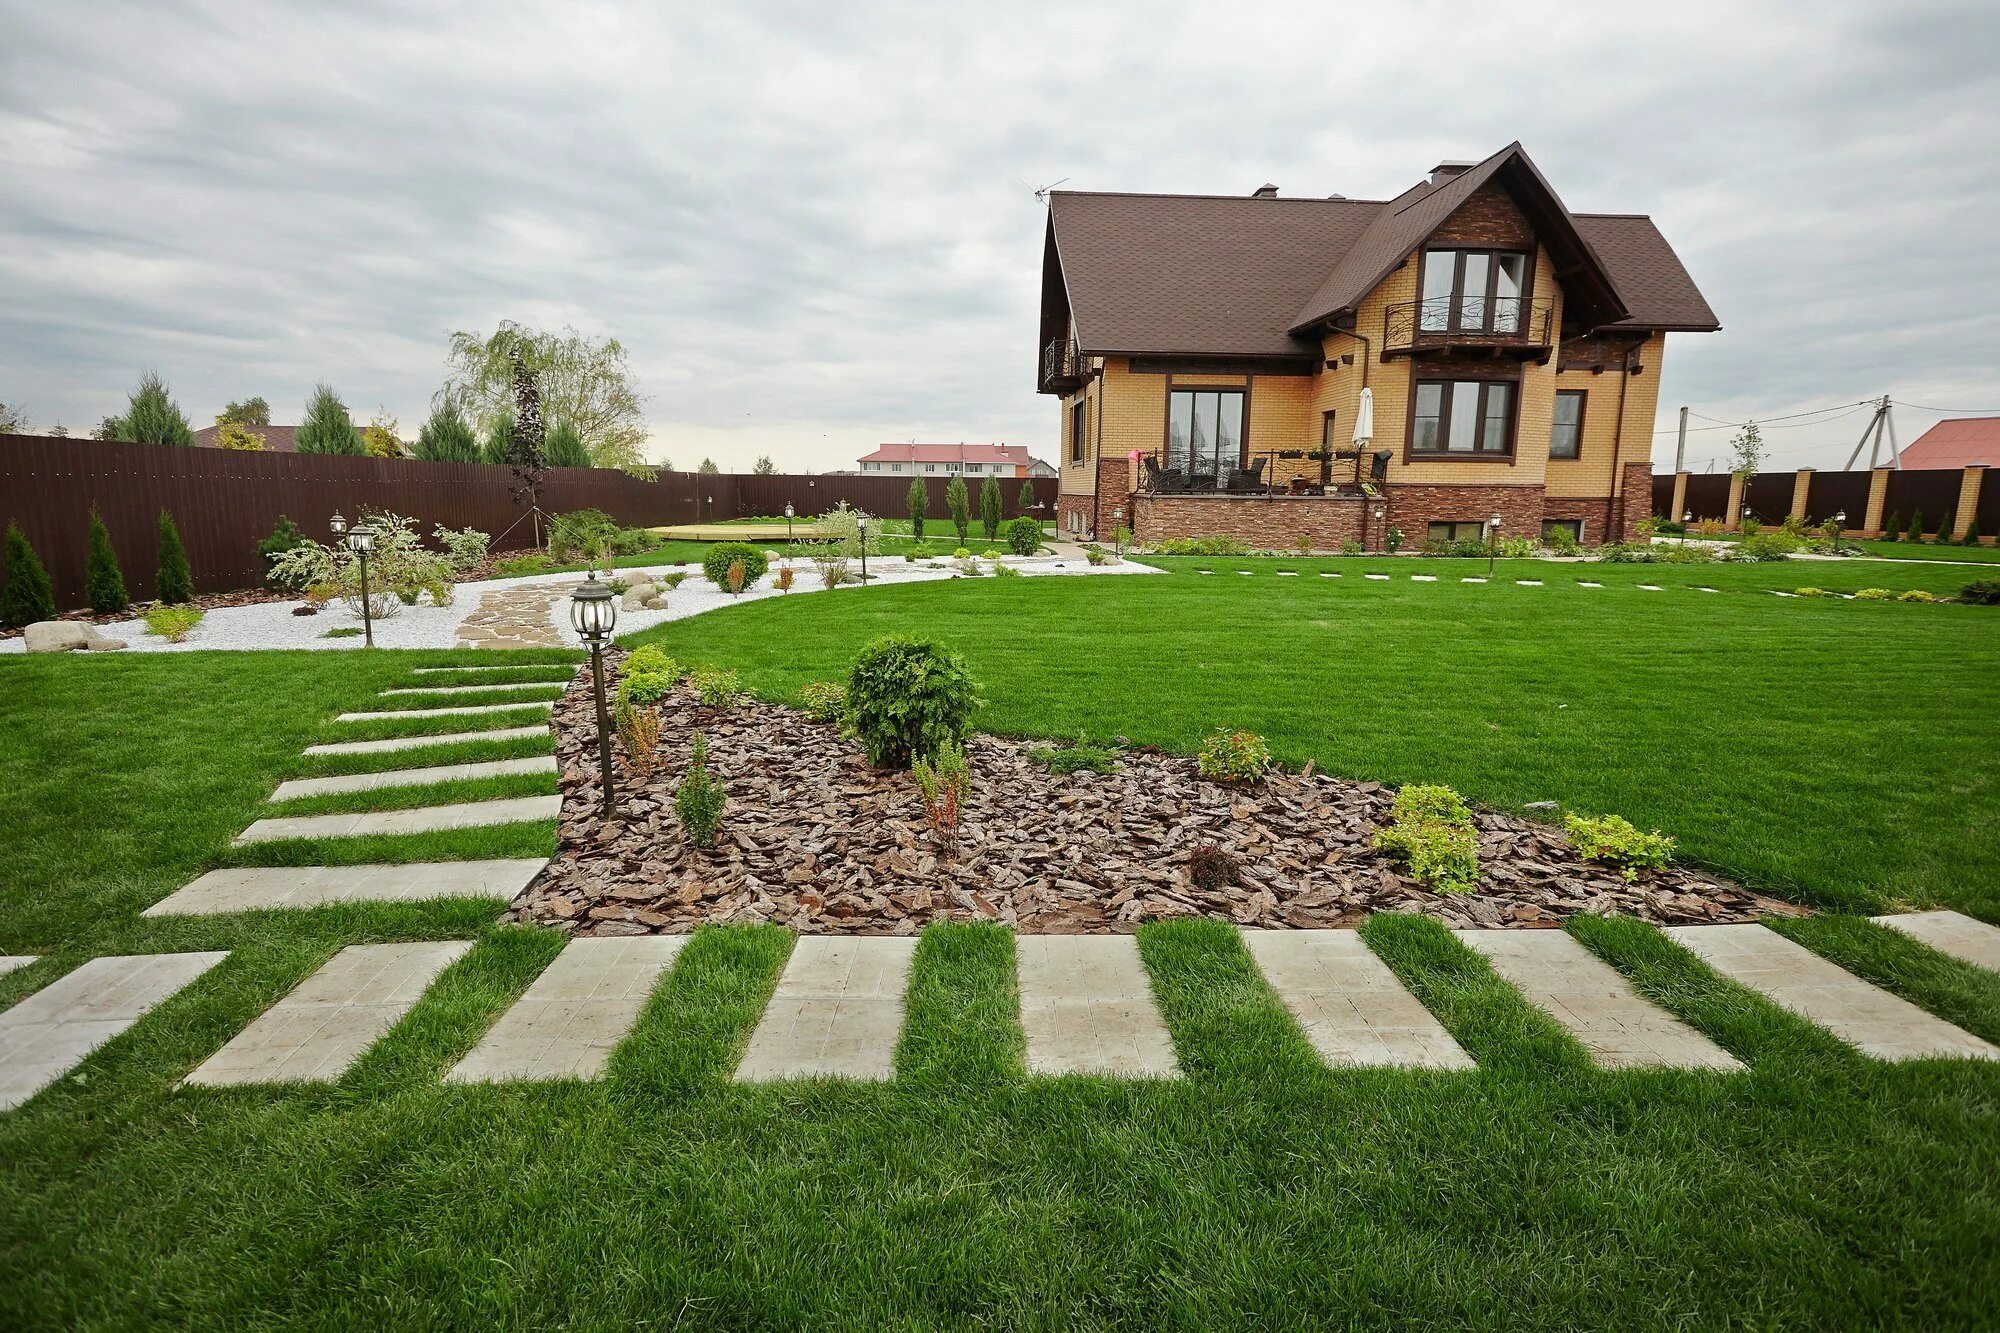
x=815, y=839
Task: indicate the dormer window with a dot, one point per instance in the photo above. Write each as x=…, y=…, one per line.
x=1473, y=291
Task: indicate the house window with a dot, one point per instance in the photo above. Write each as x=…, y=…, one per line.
x=1474, y=418
x=1573, y=526
x=1456, y=532
x=1472, y=291
x=1327, y=436
x=1205, y=431
x=1566, y=436
x=1076, y=431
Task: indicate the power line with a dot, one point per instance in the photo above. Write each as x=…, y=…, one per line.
x=1952, y=411
x=1720, y=424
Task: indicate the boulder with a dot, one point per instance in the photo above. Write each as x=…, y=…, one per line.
x=67, y=636
x=636, y=596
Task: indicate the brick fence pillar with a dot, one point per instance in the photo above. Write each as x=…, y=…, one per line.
x=1968, y=500
x=1878, y=499
x=1678, y=509
x=1732, y=510
x=1801, y=486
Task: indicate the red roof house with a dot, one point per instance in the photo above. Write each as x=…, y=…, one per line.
x=997, y=460
x=1960, y=442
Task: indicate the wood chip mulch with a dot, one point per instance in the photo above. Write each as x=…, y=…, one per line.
x=815, y=839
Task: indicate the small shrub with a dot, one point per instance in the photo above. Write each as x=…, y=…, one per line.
x=1430, y=829
x=103, y=584
x=1392, y=541
x=28, y=596
x=944, y=782
x=1710, y=527
x=1615, y=841
x=832, y=568
x=284, y=536
x=1749, y=527
x=1024, y=536
x=671, y=581
x=517, y=566
x=782, y=580
x=647, y=676
x=343, y=632
x=1763, y=547
x=1233, y=756
x=1429, y=801
x=1873, y=595
x=699, y=801
x=1811, y=592
x=733, y=578
x=464, y=548
x=715, y=687
x=1916, y=595
x=172, y=623
x=580, y=533
x=1097, y=555
x=919, y=500
x=961, y=554
x=1518, y=548
x=958, y=503
x=1981, y=592
x=823, y=700
x=1350, y=547
x=1971, y=537
x=1075, y=758
x=1302, y=544
x=1915, y=532
x=906, y=698
x=715, y=565
x=1203, y=546
x=1893, y=529
x=176, y=581
x=639, y=734
x=1005, y=572
x=1210, y=868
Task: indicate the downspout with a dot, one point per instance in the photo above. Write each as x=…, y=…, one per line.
x=1617, y=448
x=1367, y=355
x=1097, y=464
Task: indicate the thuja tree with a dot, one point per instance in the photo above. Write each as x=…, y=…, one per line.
x=447, y=437
x=959, y=504
x=176, y=581
x=1027, y=501
x=920, y=496
x=152, y=416
x=328, y=428
x=499, y=439
x=103, y=581
x=27, y=596
x=564, y=446
x=989, y=507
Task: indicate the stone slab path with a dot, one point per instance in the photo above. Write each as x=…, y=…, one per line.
x=557, y=668
x=14, y=962
x=515, y=687
x=421, y=819
x=1087, y=1008
x=334, y=1015
x=469, y=710
x=576, y=1012
x=515, y=617
x=837, y=1011
x=424, y=742
x=50, y=1032
x=1792, y=976
x=1353, y=1009
x=1586, y=995
x=258, y=888
x=1961, y=936
x=298, y=788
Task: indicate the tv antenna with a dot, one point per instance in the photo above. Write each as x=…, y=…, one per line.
x=1042, y=195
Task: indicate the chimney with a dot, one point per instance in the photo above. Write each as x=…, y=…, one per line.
x=1444, y=171
x=1265, y=192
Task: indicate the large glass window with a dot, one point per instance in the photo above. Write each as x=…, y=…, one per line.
x=1473, y=417
x=1076, y=436
x=1566, y=435
x=1205, y=431
x=1473, y=291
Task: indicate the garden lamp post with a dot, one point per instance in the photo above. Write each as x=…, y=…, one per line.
x=1492, y=543
x=593, y=611
x=1380, y=535
x=360, y=539
x=1839, y=521
x=1686, y=519
x=788, y=522
x=861, y=526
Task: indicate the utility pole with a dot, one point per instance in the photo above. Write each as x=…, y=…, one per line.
x=1680, y=450
x=1871, y=435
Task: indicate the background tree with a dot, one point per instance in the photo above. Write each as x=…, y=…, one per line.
x=499, y=438
x=525, y=454
x=176, y=581
x=152, y=416
x=920, y=498
x=27, y=596
x=1027, y=501
x=1749, y=449
x=327, y=428
x=379, y=438
x=990, y=504
x=764, y=467
x=235, y=435
x=447, y=437
x=959, y=504
x=103, y=582
x=13, y=419
x=708, y=466
x=59, y=431
x=111, y=428
x=584, y=381
x=565, y=447
x=249, y=412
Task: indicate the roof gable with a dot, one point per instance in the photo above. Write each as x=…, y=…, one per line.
x=1956, y=442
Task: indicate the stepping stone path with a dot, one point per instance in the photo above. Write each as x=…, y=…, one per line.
x=516, y=617
x=423, y=742
x=338, y=1012
x=1423, y=578
x=298, y=788
x=1351, y=1006
x=1620, y=1028
x=513, y=687
x=251, y=888
x=565, y=672
x=1960, y=936
x=1529, y=583
x=15, y=962
x=1377, y=578
x=1867, y=1017
x=575, y=1013
x=1087, y=1008
x=420, y=819
x=470, y=710
x=836, y=1013
x=49, y=1033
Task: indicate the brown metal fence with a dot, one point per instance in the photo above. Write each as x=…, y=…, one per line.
x=1707, y=495
x=224, y=502
x=1928, y=496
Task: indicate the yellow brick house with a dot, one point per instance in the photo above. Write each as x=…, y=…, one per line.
x=1213, y=355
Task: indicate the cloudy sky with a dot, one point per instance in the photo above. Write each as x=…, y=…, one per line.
x=814, y=225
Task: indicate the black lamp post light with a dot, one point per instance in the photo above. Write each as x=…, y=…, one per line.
x=861, y=526
x=788, y=522
x=1492, y=543
x=360, y=539
x=593, y=611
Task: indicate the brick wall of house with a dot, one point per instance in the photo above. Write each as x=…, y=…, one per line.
x=1267, y=522
x=1595, y=515
x=1634, y=501
x=1489, y=217
x=1413, y=508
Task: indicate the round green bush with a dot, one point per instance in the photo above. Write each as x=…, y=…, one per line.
x=1024, y=536
x=1981, y=592
x=724, y=554
x=906, y=698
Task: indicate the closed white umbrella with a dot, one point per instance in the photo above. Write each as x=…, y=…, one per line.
x=1364, y=420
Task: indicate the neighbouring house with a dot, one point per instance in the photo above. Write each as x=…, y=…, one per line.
x=1957, y=443
x=944, y=460
x=277, y=439
x=1212, y=354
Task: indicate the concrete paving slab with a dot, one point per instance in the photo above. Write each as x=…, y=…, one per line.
x=837, y=1011
x=1354, y=1010
x=555, y=668
x=298, y=788
x=515, y=687
x=1620, y=1028
x=469, y=710
x=1087, y=1008
x=15, y=962
x=422, y=819
x=1879, y=1024
x=333, y=1016
x=580, y=1007
x=49, y=1033
x=1963, y=937
x=395, y=743
x=255, y=888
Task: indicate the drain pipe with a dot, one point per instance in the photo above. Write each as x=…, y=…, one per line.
x=1618, y=499
x=1367, y=355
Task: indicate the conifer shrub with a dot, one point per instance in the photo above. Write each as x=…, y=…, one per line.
x=700, y=800
x=907, y=697
x=989, y=508
x=176, y=581
x=958, y=503
x=27, y=596
x=1981, y=592
x=1024, y=536
x=103, y=582
x=919, y=498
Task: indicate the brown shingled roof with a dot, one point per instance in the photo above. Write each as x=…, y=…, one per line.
x=277, y=439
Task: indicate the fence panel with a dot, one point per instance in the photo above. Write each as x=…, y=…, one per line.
x=1708, y=495
x=1830, y=493
x=1931, y=494
x=1663, y=496
x=1768, y=496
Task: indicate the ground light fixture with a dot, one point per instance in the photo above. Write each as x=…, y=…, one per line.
x=360, y=539
x=594, y=613
x=1686, y=519
x=861, y=526
x=1492, y=543
x=788, y=522
x=1840, y=520
x=1381, y=512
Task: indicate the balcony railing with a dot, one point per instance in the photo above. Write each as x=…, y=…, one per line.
x=1518, y=325
x=1262, y=472
x=1063, y=367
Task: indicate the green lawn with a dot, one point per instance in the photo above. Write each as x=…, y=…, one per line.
x=1816, y=1190
x=1900, y=550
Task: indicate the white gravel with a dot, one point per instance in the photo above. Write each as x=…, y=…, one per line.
x=271, y=625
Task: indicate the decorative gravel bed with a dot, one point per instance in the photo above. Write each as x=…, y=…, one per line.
x=815, y=839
